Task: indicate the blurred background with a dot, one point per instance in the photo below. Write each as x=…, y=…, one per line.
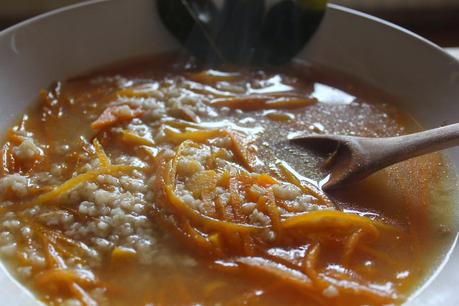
x=438, y=20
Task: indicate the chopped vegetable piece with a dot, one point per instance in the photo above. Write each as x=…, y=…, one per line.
x=113, y=115
x=135, y=139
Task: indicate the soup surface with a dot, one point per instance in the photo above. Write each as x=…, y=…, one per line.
x=165, y=183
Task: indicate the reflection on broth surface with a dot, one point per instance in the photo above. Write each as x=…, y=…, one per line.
x=158, y=183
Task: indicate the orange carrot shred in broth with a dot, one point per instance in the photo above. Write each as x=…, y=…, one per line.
x=104, y=161
x=114, y=114
x=77, y=180
x=132, y=138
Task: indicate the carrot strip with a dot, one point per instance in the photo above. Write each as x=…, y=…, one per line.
x=132, y=138
x=294, y=179
x=265, y=180
x=351, y=244
x=104, y=161
x=273, y=213
x=277, y=270
x=310, y=263
x=66, y=276
x=201, y=241
x=201, y=136
x=331, y=218
x=380, y=297
x=135, y=94
x=53, y=259
x=75, y=181
x=242, y=155
x=113, y=115
x=234, y=200
x=82, y=295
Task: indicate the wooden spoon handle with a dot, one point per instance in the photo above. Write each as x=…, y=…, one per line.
x=395, y=149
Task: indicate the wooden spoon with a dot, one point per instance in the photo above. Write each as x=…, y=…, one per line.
x=355, y=158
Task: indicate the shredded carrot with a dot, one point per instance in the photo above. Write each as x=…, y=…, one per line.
x=265, y=180
x=76, y=181
x=185, y=113
x=113, y=115
x=53, y=258
x=66, y=276
x=121, y=256
x=294, y=178
x=379, y=297
x=331, y=218
x=351, y=244
x=201, y=136
x=242, y=154
x=132, y=93
x=310, y=263
x=131, y=138
x=273, y=213
x=277, y=270
x=212, y=243
x=82, y=295
x=104, y=161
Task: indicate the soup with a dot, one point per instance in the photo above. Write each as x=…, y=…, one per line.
x=166, y=183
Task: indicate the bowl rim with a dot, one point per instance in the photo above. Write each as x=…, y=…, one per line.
x=439, y=52
x=56, y=11
x=390, y=25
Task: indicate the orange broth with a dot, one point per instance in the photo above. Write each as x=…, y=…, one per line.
x=230, y=212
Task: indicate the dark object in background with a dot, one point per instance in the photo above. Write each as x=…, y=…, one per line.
x=192, y=23
x=239, y=25
x=287, y=28
x=436, y=20
x=242, y=32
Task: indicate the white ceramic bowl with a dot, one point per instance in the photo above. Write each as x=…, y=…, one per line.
x=73, y=40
